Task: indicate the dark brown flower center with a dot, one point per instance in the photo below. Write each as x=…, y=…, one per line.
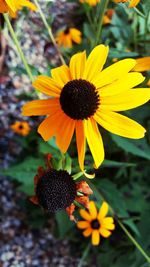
x=95, y=224
x=66, y=31
x=20, y=127
x=79, y=99
x=55, y=190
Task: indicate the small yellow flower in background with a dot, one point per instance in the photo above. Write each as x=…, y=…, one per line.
x=90, y=2
x=83, y=95
x=148, y=83
x=12, y=6
x=132, y=3
x=67, y=37
x=96, y=223
x=21, y=128
x=143, y=64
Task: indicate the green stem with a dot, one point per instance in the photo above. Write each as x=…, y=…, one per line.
x=103, y=6
x=100, y=196
x=49, y=31
x=6, y=17
x=85, y=253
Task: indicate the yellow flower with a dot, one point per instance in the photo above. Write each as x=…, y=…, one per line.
x=12, y=6
x=132, y=3
x=148, y=83
x=67, y=37
x=83, y=95
x=96, y=223
x=90, y=2
x=21, y=128
x=143, y=64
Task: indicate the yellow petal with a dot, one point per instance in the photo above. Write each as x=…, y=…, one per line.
x=47, y=86
x=3, y=6
x=94, y=140
x=85, y=215
x=75, y=35
x=103, y=211
x=95, y=62
x=109, y=226
x=83, y=224
x=48, y=127
x=104, y=232
x=107, y=220
x=127, y=100
x=95, y=237
x=142, y=64
x=11, y=4
x=134, y=3
x=114, y=72
x=65, y=133
x=119, y=124
x=126, y=82
x=92, y=210
x=80, y=139
x=77, y=65
x=61, y=75
x=41, y=107
x=25, y=3
x=87, y=232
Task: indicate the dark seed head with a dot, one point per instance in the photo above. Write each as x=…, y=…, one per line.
x=55, y=190
x=95, y=224
x=20, y=127
x=79, y=99
x=66, y=31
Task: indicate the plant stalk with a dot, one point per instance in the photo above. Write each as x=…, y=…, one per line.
x=103, y=7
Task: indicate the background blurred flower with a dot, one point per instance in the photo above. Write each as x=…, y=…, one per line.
x=132, y=3
x=143, y=64
x=12, y=6
x=21, y=128
x=96, y=223
x=68, y=36
x=90, y=2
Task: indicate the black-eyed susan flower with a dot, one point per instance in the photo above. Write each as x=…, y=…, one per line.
x=96, y=223
x=56, y=190
x=90, y=2
x=13, y=6
x=67, y=37
x=83, y=95
x=132, y=3
x=142, y=64
x=21, y=128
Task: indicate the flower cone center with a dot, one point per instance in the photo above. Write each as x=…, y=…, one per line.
x=95, y=224
x=79, y=99
x=55, y=190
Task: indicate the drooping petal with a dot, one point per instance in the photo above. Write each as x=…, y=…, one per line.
x=85, y=215
x=47, y=86
x=95, y=237
x=87, y=232
x=83, y=224
x=94, y=140
x=126, y=82
x=125, y=101
x=48, y=127
x=114, y=72
x=92, y=210
x=95, y=62
x=103, y=211
x=77, y=65
x=104, y=232
x=80, y=140
x=65, y=132
x=61, y=75
x=119, y=124
x=41, y=107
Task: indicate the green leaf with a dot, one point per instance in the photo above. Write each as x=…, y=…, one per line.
x=115, y=164
x=63, y=223
x=24, y=173
x=131, y=146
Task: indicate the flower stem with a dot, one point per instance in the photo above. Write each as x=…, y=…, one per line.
x=6, y=17
x=85, y=253
x=100, y=196
x=103, y=6
x=49, y=31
